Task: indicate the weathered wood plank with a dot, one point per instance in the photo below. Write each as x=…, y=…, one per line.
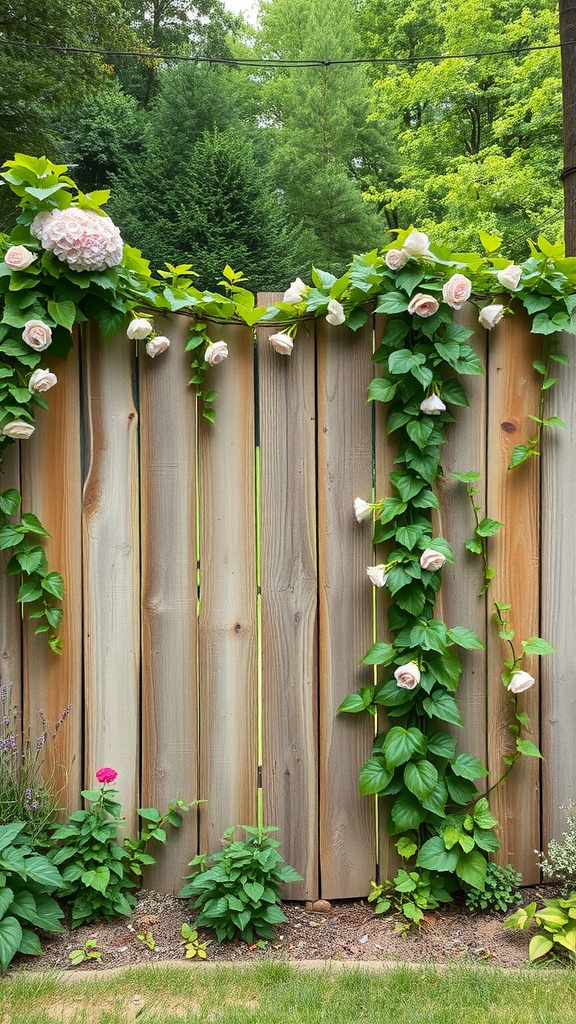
x=111, y=553
x=227, y=625
x=10, y=617
x=347, y=839
x=52, y=489
x=289, y=602
x=513, y=498
x=169, y=591
x=459, y=603
x=558, y=695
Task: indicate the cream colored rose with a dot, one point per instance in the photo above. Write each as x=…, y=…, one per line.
x=336, y=314
x=138, y=329
x=520, y=681
x=416, y=244
x=510, y=277
x=216, y=353
x=37, y=335
x=432, y=406
x=157, y=345
x=282, y=343
x=362, y=510
x=395, y=259
x=423, y=305
x=19, y=429
x=376, y=575
x=42, y=380
x=490, y=316
x=19, y=257
x=296, y=292
x=432, y=560
x=456, y=291
x=407, y=676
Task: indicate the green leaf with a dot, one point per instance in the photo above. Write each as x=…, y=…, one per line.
x=441, y=744
x=392, y=302
x=400, y=744
x=520, y=454
x=536, y=645
x=406, y=848
x=447, y=670
x=471, y=868
x=468, y=767
x=462, y=791
x=539, y=946
x=63, y=313
x=10, y=938
x=453, y=393
x=434, y=856
x=442, y=705
x=466, y=638
x=356, y=702
x=381, y=390
x=489, y=242
x=528, y=748
x=488, y=527
x=54, y=584
x=33, y=524
x=374, y=776
x=420, y=778
x=408, y=536
x=419, y=432
x=406, y=813
x=9, y=501
x=29, y=591
x=379, y=654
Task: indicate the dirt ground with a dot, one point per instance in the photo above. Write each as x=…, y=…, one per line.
x=344, y=930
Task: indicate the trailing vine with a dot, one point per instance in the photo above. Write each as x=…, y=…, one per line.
x=65, y=263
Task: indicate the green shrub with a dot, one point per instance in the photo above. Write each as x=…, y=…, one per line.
x=560, y=861
x=500, y=890
x=556, y=923
x=27, y=882
x=239, y=892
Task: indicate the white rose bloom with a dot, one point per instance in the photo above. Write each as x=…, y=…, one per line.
x=336, y=314
x=362, y=509
x=282, y=343
x=416, y=244
x=18, y=429
x=157, y=345
x=19, y=257
x=432, y=560
x=395, y=259
x=376, y=575
x=37, y=335
x=510, y=277
x=520, y=681
x=432, y=406
x=42, y=380
x=407, y=676
x=296, y=292
x=216, y=353
x=139, y=329
x=489, y=316
x=456, y=291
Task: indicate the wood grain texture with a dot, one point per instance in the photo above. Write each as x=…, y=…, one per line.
x=169, y=618
x=289, y=603
x=513, y=498
x=10, y=617
x=458, y=601
x=347, y=838
x=52, y=489
x=558, y=694
x=111, y=554
x=227, y=626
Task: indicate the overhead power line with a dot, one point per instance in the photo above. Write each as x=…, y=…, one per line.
x=258, y=62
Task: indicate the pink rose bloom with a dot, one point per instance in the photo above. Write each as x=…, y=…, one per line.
x=20, y=430
x=432, y=406
x=395, y=259
x=42, y=380
x=157, y=345
x=37, y=334
x=456, y=291
x=282, y=343
x=520, y=681
x=490, y=316
x=19, y=257
x=83, y=239
x=432, y=560
x=407, y=676
x=105, y=775
x=216, y=353
x=510, y=277
x=423, y=305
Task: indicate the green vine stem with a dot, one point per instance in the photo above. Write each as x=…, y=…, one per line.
x=485, y=528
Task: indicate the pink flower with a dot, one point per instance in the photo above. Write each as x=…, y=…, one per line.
x=216, y=353
x=37, y=335
x=407, y=676
x=456, y=291
x=423, y=305
x=83, y=239
x=105, y=775
x=432, y=560
x=157, y=345
x=19, y=257
x=395, y=259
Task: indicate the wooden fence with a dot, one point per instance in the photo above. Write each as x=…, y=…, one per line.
x=205, y=655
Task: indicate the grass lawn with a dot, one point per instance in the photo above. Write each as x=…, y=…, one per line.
x=282, y=994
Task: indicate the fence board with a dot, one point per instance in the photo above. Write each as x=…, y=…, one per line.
x=51, y=470
x=10, y=617
x=347, y=839
x=227, y=627
x=289, y=602
x=111, y=568
x=458, y=600
x=169, y=619
x=513, y=499
x=558, y=575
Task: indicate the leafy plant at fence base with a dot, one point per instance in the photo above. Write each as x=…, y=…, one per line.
x=560, y=859
x=556, y=928
x=88, y=951
x=28, y=884
x=137, y=849
x=500, y=890
x=411, y=893
x=192, y=944
x=237, y=889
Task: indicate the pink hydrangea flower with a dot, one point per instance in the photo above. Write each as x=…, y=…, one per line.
x=105, y=775
x=83, y=239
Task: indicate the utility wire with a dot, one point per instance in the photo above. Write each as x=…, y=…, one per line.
x=258, y=62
